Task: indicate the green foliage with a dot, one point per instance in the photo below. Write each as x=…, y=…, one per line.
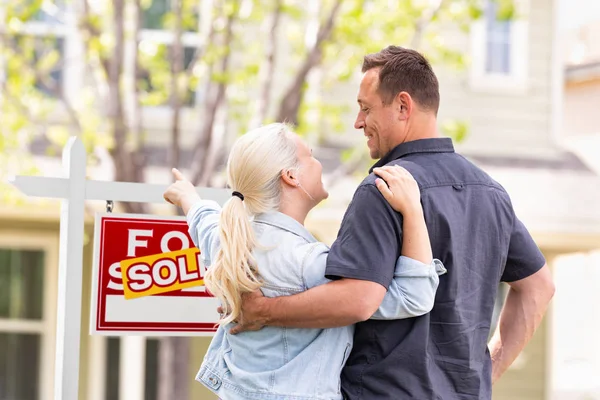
x=456, y=129
x=31, y=98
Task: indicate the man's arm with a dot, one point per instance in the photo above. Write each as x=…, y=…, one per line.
x=361, y=262
x=338, y=303
x=522, y=313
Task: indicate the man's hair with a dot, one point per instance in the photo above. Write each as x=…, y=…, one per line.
x=404, y=70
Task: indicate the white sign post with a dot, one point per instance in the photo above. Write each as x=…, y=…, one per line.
x=74, y=189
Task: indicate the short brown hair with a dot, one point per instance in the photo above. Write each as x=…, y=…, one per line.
x=405, y=70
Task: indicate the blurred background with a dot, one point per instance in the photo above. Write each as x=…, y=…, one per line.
x=152, y=84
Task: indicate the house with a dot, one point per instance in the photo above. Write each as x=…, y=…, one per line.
x=512, y=97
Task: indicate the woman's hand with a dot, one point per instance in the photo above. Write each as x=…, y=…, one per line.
x=400, y=189
x=181, y=193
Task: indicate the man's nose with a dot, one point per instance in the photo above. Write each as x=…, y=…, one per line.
x=359, y=123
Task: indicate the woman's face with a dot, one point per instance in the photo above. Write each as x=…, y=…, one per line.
x=310, y=174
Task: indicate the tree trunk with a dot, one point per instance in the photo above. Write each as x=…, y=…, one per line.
x=201, y=164
x=173, y=357
x=268, y=68
x=173, y=352
x=288, y=110
x=176, y=96
x=426, y=17
x=126, y=168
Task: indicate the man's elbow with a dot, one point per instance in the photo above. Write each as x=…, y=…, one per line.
x=361, y=298
x=366, y=306
x=549, y=289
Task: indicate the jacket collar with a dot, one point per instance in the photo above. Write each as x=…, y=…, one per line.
x=285, y=222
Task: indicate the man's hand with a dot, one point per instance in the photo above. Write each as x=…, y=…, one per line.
x=181, y=193
x=522, y=313
x=253, y=317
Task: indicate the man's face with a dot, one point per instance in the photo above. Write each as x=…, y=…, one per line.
x=380, y=123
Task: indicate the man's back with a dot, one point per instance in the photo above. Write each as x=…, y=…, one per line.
x=444, y=355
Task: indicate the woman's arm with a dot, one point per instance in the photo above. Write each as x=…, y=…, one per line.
x=203, y=221
x=202, y=215
x=412, y=291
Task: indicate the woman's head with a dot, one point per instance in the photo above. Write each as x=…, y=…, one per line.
x=274, y=170
x=268, y=164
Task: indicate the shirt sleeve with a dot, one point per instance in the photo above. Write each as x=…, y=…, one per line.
x=203, y=223
x=412, y=291
x=313, y=264
x=369, y=241
x=524, y=257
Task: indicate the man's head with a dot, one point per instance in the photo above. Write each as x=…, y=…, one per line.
x=398, y=99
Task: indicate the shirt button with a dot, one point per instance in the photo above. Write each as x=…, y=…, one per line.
x=458, y=186
x=372, y=359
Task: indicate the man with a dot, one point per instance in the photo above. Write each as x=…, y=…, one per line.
x=473, y=230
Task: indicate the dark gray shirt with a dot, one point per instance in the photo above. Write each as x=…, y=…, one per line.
x=475, y=233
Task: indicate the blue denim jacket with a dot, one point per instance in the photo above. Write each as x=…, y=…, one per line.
x=289, y=363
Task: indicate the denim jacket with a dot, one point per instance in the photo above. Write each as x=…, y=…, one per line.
x=290, y=363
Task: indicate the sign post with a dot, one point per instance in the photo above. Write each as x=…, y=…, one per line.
x=73, y=189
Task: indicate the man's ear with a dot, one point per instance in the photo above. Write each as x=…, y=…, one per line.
x=404, y=105
x=289, y=177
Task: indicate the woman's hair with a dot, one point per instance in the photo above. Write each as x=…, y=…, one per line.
x=253, y=169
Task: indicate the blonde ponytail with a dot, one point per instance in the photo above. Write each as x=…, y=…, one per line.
x=254, y=169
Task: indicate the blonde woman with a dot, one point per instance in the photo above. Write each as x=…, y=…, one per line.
x=258, y=241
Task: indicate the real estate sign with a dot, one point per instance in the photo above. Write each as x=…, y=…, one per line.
x=148, y=278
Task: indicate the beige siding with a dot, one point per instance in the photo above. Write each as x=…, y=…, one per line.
x=582, y=102
x=507, y=124
x=197, y=390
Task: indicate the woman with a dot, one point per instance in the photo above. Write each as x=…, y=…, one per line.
x=258, y=241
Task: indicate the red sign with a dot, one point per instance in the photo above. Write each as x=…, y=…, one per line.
x=151, y=251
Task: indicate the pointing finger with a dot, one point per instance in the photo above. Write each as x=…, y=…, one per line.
x=178, y=175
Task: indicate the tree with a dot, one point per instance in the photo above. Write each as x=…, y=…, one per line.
x=124, y=72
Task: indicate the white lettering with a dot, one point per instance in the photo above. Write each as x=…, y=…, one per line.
x=114, y=271
x=133, y=242
x=156, y=272
x=138, y=272
x=164, y=243
x=184, y=274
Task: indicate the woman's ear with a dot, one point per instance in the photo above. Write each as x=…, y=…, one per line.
x=289, y=178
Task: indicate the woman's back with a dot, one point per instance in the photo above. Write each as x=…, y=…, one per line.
x=265, y=364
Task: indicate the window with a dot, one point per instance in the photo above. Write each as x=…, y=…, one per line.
x=113, y=365
x=499, y=51
x=155, y=16
x=39, y=45
x=498, y=41
x=51, y=12
x=27, y=319
x=21, y=286
x=155, y=87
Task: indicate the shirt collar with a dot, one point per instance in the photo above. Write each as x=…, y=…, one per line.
x=285, y=222
x=434, y=145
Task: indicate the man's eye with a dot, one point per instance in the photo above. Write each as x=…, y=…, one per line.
x=364, y=110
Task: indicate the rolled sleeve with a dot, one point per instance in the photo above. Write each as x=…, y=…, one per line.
x=524, y=257
x=313, y=265
x=203, y=223
x=369, y=241
x=412, y=291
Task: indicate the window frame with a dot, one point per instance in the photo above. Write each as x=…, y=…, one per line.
x=517, y=80
x=46, y=327
x=44, y=29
